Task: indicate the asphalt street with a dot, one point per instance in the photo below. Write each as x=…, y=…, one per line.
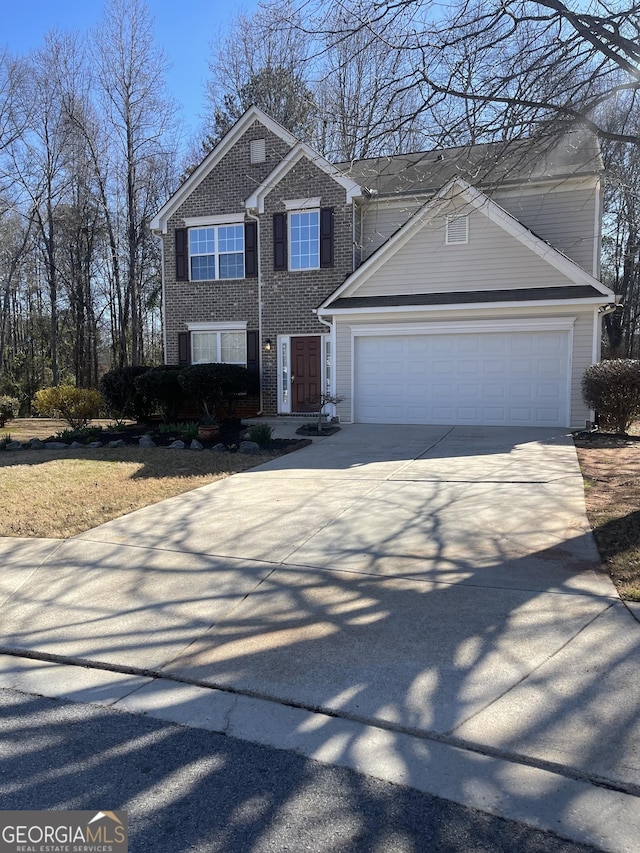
x=191, y=790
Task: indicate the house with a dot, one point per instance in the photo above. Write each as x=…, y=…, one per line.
x=448, y=287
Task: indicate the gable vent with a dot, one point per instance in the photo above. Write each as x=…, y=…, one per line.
x=457, y=230
x=258, y=150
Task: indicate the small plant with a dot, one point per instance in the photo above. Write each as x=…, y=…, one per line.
x=612, y=388
x=260, y=433
x=75, y=405
x=5, y=441
x=189, y=430
x=9, y=408
x=117, y=426
x=87, y=432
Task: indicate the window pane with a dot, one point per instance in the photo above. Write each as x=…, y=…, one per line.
x=204, y=347
x=233, y=347
x=231, y=238
x=305, y=240
x=202, y=241
x=203, y=267
x=232, y=266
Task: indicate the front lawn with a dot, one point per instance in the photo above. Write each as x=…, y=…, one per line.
x=56, y=494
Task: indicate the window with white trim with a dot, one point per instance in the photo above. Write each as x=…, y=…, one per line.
x=457, y=230
x=216, y=252
x=304, y=240
x=226, y=346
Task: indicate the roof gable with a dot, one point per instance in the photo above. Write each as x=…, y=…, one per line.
x=300, y=151
x=477, y=201
x=253, y=114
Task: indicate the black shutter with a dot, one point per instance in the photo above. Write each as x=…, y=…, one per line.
x=326, y=237
x=184, y=348
x=253, y=359
x=182, y=255
x=280, y=241
x=250, y=249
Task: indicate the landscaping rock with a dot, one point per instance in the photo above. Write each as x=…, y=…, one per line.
x=13, y=445
x=94, y=444
x=36, y=444
x=117, y=444
x=56, y=445
x=219, y=448
x=75, y=445
x=147, y=441
x=249, y=447
x=195, y=445
x=177, y=445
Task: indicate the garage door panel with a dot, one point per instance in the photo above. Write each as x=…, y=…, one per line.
x=485, y=378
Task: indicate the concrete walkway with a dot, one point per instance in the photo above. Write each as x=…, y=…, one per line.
x=423, y=604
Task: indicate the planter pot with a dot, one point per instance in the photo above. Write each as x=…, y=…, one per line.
x=207, y=432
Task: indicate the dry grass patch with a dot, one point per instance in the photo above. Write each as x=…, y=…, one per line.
x=56, y=494
x=24, y=429
x=611, y=471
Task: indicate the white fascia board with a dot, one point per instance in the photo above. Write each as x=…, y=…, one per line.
x=215, y=219
x=496, y=214
x=213, y=326
x=256, y=200
x=159, y=221
x=467, y=306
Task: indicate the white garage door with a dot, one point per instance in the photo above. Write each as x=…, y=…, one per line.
x=506, y=378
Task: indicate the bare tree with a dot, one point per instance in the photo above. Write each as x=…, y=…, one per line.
x=510, y=66
x=139, y=122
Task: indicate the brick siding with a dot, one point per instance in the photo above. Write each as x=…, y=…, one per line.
x=288, y=297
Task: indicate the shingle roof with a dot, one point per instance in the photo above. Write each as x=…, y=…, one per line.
x=468, y=297
x=524, y=160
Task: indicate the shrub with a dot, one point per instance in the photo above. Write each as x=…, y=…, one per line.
x=612, y=388
x=121, y=395
x=9, y=408
x=260, y=433
x=75, y=405
x=215, y=386
x=160, y=386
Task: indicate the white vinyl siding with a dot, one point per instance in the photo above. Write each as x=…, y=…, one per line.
x=491, y=260
x=565, y=219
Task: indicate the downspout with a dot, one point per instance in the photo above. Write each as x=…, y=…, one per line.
x=158, y=236
x=256, y=219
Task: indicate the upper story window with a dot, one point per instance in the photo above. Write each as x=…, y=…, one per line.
x=216, y=252
x=303, y=236
x=304, y=240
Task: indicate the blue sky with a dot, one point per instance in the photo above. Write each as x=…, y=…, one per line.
x=185, y=30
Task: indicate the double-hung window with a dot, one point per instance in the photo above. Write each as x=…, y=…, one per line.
x=216, y=252
x=222, y=345
x=304, y=240
x=303, y=236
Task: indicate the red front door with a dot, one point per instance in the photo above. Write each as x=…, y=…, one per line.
x=306, y=372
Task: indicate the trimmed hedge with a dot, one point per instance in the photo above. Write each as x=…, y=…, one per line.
x=161, y=387
x=612, y=388
x=215, y=386
x=121, y=395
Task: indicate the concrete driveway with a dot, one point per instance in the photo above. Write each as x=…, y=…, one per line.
x=423, y=603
